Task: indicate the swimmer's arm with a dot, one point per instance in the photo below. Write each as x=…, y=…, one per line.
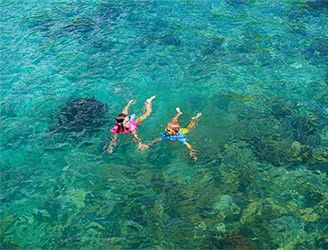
x=112, y=143
x=192, y=152
x=153, y=142
x=137, y=140
x=147, y=145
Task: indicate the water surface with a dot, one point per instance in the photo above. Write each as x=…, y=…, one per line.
x=256, y=69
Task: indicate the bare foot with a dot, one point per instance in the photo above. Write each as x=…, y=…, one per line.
x=178, y=110
x=133, y=101
x=151, y=98
x=199, y=114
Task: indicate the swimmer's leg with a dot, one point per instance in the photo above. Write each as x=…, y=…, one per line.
x=148, y=109
x=138, y=141
x=193, y=122
x=176, y=117
x=126, y=108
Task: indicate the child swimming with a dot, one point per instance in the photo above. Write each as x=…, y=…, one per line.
x=127, y=124
x=173, y=132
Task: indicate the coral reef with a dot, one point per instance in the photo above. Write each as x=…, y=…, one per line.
x=80, y=114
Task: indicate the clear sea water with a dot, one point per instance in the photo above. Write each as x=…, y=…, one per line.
x=256, y=69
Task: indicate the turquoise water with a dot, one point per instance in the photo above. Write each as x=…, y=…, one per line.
x=257, y=70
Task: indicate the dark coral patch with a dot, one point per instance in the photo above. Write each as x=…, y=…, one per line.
x=318, y=4
x=236, y=3
x=78, y=114
x=231, y=241
x=215, y=47
x=170, y=41
x=42, y=24
x=318, y=51
x=108, y=12
x=78, y=26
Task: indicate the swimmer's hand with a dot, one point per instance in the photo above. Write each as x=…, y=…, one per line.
x=110, y=149
x=178, y=110
x=193, y=155
x=142, y=146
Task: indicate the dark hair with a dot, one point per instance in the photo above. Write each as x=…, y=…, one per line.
x=119, y=119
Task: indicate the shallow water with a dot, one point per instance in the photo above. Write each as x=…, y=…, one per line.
x=256, y=69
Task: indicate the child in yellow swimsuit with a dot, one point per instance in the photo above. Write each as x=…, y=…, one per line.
x=173, y=132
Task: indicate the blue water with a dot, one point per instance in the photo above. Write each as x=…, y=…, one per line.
x=257, y=70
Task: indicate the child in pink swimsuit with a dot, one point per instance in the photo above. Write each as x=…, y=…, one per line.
x=127, y=124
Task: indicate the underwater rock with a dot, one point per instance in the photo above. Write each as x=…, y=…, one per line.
x=240, y=242
x=221, y=228
x=296, y=148
x=323, y=133
x=297, y=152
x=76, y=26
x=261, y=210
x=233, y=241
x=304, y=127
x=179, y=230
x=317, y=51
x=265, y=151
x=132, y=225
x=170, y=40
x=80, y=25
x=309, y=215
x=321, y=5
x=158, y=183
x=226, y=206
x=102, y=45
x=78, y=114
x=108, y=12
x=280, y=109
x=236, y=2
x=238, y=154
x=75, y=197
x=301, y=128
x=40, y=24
x=7, y=109
x=320, y=155
x=285, y=230
x=215, y=47
x=239, y=97
x=297, y=27
x=41, y=214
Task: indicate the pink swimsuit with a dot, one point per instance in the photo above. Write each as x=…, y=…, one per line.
x=132, y=127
